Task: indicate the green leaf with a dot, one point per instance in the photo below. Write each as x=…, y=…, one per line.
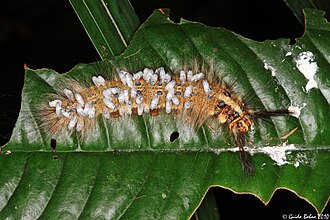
x=110, y=24
x=128, y=167
x=297, y=7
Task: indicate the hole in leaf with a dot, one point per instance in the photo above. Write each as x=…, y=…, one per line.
x=174, y=136
x=53, y=144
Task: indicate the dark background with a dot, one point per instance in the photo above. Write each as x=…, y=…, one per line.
x=48, y=34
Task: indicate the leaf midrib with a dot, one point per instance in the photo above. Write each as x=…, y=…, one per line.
x=193, y=150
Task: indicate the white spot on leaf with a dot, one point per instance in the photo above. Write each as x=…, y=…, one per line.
x=164, y=195
x=267, y=66
x=276, y=153
x=288, y=54
x=296, y=110
x=306, y=65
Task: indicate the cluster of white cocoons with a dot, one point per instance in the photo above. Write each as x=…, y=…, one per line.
x=128, y=95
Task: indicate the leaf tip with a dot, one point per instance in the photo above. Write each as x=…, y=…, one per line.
x=165, y=11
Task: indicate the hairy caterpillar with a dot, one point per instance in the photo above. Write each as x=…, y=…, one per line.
x=195, y=95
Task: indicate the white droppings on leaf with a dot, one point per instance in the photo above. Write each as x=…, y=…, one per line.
x=164, y=196
x=276, y=153
x=303, y=159
x=288, y=54
x=267, y=66
x=306, y=65
x=296, y=110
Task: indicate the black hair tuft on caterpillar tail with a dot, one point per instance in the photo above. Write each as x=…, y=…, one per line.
x=281, y=112
x=245, y=157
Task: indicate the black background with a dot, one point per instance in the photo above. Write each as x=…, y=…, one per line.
x=48, y=34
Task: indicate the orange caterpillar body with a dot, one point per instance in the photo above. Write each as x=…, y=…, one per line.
x=189, y=94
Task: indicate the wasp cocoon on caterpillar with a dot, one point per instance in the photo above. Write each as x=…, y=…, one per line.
x=193, y=94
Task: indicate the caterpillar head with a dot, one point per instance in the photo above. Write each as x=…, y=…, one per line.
x=241, y=124
x=232, y=112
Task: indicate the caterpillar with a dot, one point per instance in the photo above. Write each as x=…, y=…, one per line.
x=194, y=94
